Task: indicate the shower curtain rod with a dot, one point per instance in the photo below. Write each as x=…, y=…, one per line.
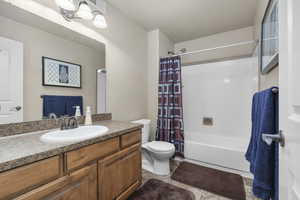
x=216, y=48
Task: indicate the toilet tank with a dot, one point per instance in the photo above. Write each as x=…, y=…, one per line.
x=145, y=129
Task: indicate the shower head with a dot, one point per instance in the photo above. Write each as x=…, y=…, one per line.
x=171, y=53
x=102, y=71
x=183, y=50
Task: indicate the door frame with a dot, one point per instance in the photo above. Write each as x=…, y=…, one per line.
x=289, y=98
x=19, y=50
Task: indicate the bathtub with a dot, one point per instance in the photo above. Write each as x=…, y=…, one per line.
x=222, y=92
x=217, y=150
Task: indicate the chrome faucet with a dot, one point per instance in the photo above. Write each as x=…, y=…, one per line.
x=73, y=123
x=69, y=123
x=52, y=116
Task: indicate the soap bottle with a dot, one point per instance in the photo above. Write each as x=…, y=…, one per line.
x=88, y=116
x=77, y=112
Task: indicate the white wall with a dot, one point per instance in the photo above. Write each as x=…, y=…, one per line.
x=152, y=87
x=272, y=78
x=165, y=44
x=226, y=38
x=222, y=91
x=260, y=11
x=126, y=64
x=158, y=46
x=38, y=43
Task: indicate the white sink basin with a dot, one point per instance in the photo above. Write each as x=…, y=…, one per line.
x=74, y=135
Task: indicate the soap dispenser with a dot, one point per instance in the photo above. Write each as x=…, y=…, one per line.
x=88, y=116
x=77, y=112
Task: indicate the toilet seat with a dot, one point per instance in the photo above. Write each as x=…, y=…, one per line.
x=161, y=147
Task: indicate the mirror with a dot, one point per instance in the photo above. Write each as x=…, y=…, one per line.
x=46, y=68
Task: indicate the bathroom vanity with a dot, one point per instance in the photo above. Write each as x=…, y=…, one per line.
x=105, y=168
x=64, y=62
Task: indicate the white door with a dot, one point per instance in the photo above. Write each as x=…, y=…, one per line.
x=101, y=90
x=289, y=102
x=11, y=81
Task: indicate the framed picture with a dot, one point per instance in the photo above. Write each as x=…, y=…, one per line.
x=60, y=73
x=269, y=41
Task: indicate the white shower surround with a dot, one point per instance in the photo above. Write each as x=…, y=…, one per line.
x=223, y=91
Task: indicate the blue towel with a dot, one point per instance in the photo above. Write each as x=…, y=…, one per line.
x=61, y=105
x=263, y=158
x=73, y=101
x=54, y=104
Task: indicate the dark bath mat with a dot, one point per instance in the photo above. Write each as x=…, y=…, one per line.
x=221, y=183
x=158, y=190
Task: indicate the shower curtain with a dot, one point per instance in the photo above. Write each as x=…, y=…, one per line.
x=170, y=110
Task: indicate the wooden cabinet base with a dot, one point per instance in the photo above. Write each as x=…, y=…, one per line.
x=108, y=170
x=79, y=185
x=17, y=181
x=129, y=191
x=119, y=172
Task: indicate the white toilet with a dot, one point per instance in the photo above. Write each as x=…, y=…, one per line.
x=155, y=155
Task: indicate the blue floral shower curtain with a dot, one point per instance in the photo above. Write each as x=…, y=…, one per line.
x=170, y=110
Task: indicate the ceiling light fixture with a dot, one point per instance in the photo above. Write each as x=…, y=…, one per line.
x=100, y=21
x=84, y=10
x=66, y=4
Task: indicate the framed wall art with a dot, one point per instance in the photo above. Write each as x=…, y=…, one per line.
x=60, y=73
x=269, y=41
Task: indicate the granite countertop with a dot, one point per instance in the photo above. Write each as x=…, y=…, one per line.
x=27, y=148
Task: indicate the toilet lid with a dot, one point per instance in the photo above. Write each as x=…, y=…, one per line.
x=159, y=146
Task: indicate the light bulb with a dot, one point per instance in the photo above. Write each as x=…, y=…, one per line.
x=85, y=11
x=66, y=4
x=100, y=21
x=227, y=80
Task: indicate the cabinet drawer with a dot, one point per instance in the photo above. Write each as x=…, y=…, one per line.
x=81, y=184
x=84, y=155
x=130, y=138
x=19, y=180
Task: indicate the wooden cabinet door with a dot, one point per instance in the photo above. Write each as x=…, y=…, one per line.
x=130, y=170
x=118, y=172
x=80, y=185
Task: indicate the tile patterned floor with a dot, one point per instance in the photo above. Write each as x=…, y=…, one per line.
x=199, y=194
